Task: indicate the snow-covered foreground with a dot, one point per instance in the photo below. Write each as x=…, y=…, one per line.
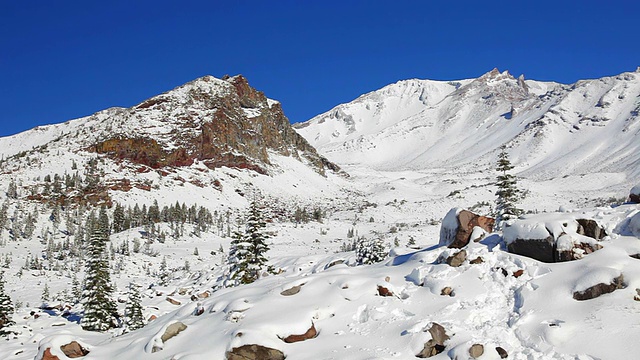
x=530, y=313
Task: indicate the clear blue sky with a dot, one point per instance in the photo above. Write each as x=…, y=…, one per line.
x=61, y=60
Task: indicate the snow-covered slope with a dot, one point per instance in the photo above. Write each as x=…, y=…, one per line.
x=550, y=129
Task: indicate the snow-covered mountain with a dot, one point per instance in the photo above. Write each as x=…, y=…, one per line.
x=550, y=129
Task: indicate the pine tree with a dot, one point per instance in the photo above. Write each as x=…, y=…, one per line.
x=6, y=308
x=133, y=309
x=46, y=296
x=247, y=253
x=99, y=308
x=118, y=219
x=165, y=275
x=508, y=193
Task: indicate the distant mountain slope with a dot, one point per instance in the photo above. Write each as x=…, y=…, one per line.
x=551, y=129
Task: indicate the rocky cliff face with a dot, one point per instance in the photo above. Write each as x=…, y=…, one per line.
x=219, y=122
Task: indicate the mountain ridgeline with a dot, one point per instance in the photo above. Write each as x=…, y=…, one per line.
x=550, y=129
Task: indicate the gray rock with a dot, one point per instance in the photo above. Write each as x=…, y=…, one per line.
x=292, y=291
x=254, y=352
x=457, y=259
x=173, y=330
x=590, y=228
x=476, y=350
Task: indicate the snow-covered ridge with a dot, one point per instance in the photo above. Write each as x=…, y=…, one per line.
x=550, y=128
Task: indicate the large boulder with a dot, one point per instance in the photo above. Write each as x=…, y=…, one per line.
x=552, y=237
x=254, y=352
x=457, y=227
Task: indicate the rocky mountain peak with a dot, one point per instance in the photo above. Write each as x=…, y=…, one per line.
x=219, y=122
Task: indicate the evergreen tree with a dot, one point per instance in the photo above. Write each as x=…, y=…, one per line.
x=165, y=275
x=46, y=296
x=12, y=191
x=133, y=309
x=247, y=251
x=99, y=308
x=118, y=219
x=6, y=308
x=508, y=193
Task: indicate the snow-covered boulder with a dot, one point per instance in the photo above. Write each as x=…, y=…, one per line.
x=634, y=196
x=551, y=237
x=459, y=225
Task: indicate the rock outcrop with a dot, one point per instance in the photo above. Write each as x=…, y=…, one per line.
x=216, y=122
x=458, y=225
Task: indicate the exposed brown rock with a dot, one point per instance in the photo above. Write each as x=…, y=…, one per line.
x=309, y=334
x=151, y=318
x=477, y=260
x=436, y=344
x=446, y=291
x=634, y=198
x=457, y=259
x=48, y=356
x=173, y=301
x=466, y=222
x=254, y=352
x=518, y=273
x=383, y=291
x=600, y=289
x=476, y=351
x=74, y=350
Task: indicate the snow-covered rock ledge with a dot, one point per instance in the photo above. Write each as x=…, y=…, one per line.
x=553, y=237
